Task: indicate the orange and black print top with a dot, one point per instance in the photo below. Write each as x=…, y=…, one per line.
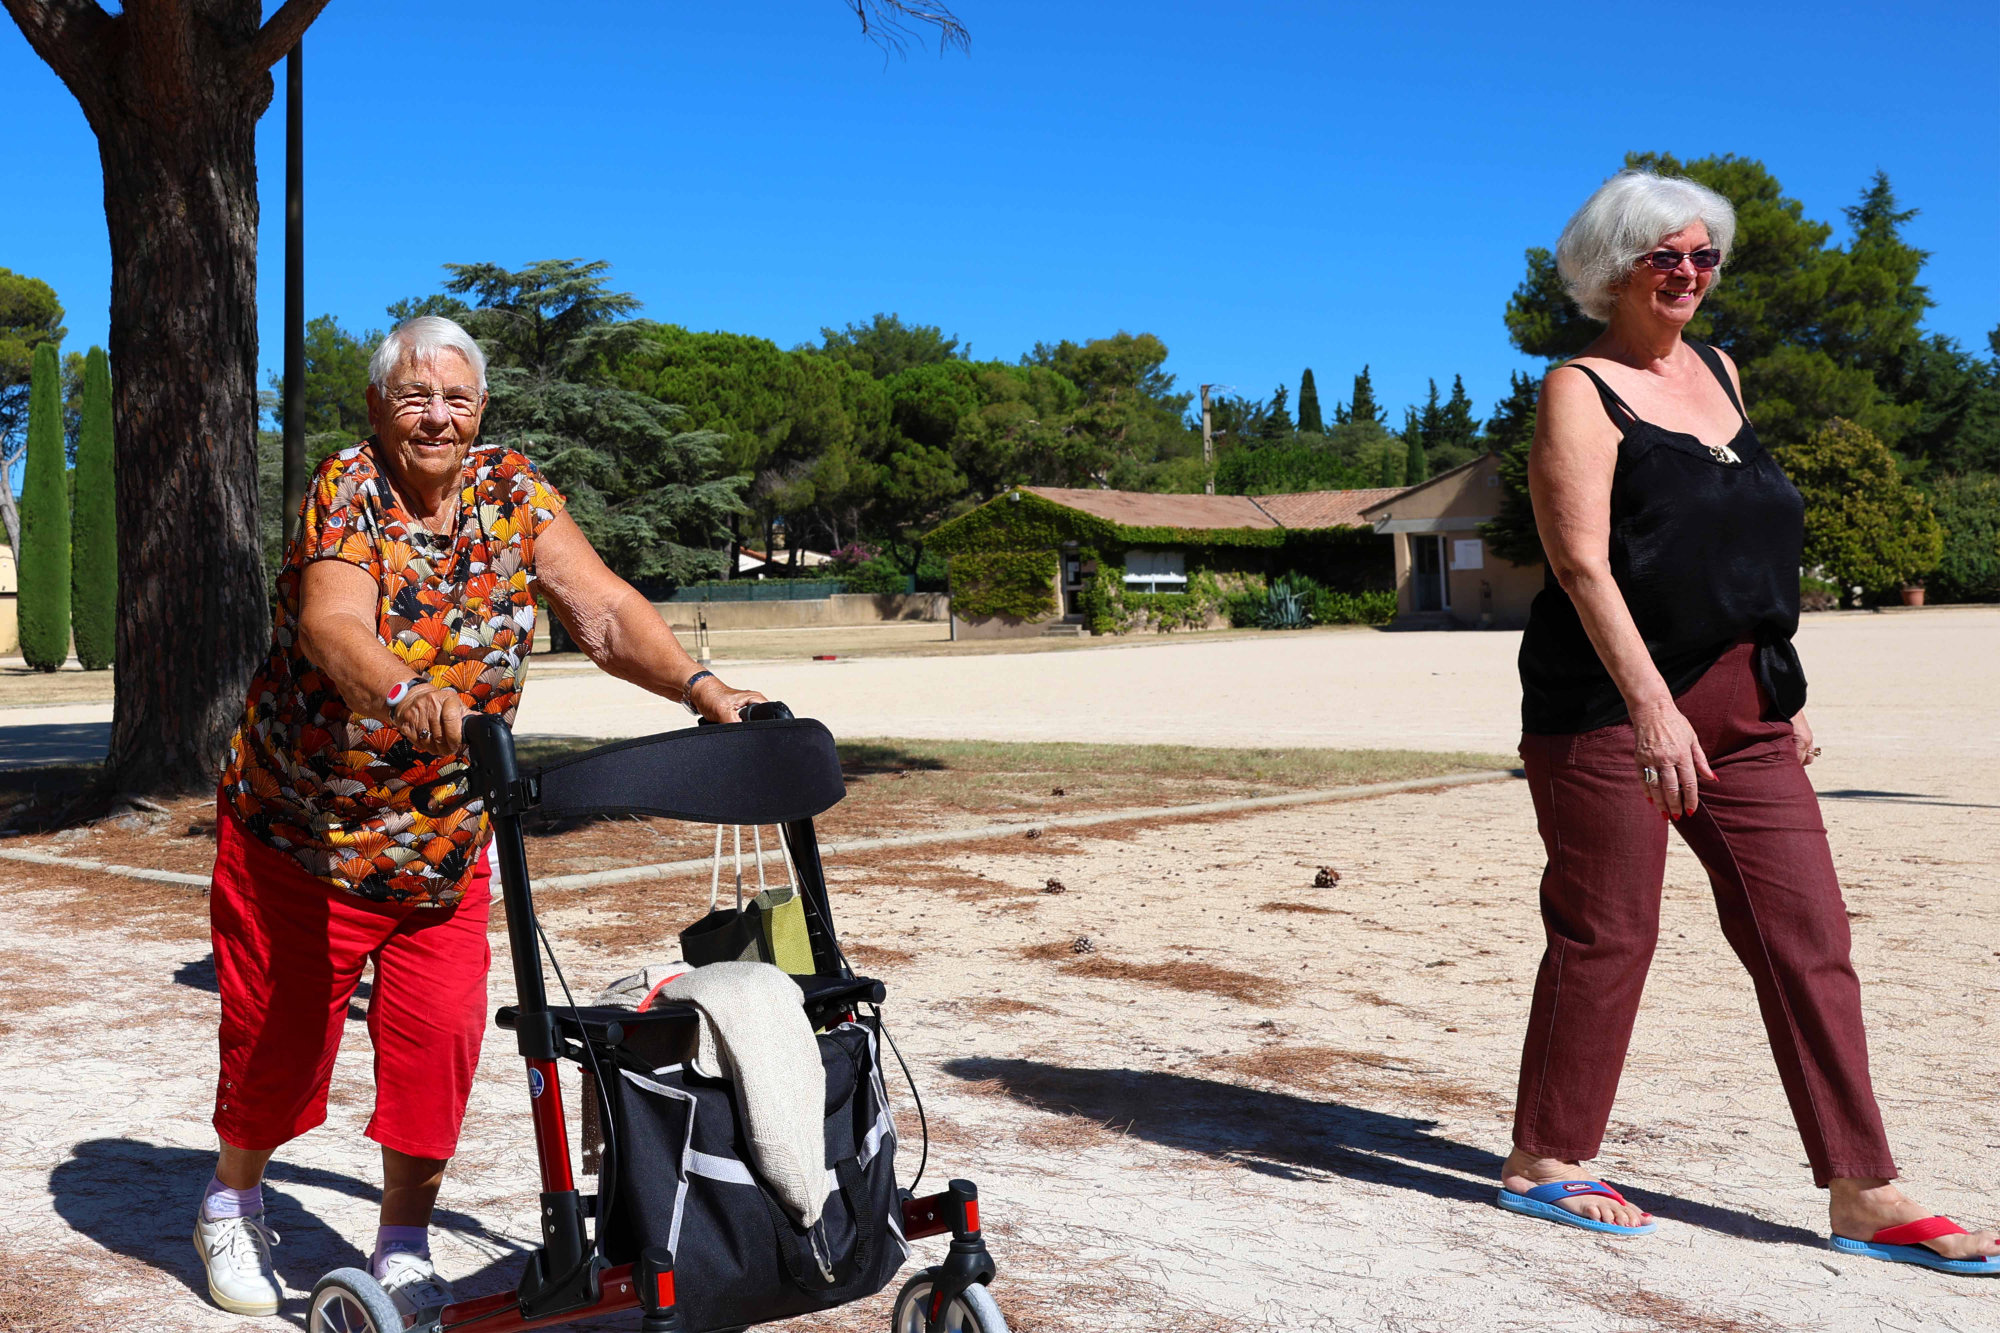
x=332, y=789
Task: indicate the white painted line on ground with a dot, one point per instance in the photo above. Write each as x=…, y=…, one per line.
x=626, y=874
x=104, y=868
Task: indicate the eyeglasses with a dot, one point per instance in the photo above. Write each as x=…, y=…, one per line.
x=1666, y=261
x=461, y=400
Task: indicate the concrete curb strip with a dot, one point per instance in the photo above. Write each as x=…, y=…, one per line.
x=104, y=868
x=626, y=874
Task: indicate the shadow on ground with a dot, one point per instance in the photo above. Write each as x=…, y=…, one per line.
x=1298, y=1138
x=34, y=744
x=138, y=1199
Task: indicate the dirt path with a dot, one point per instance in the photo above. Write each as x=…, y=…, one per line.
x=1251, y=1104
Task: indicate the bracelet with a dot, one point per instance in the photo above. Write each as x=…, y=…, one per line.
x=687, y=689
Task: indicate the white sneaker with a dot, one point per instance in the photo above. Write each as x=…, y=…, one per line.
x=237, y=1253
x=413, y=1284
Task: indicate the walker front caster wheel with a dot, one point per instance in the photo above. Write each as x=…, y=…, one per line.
x=348, y=1300
x=974, y=1311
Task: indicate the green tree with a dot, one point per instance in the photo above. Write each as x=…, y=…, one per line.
x=1511, y=433
x=1416, y=466
x=886, y=346
x=1362, y=407
x=654, y=498
x=1277, y=419
x=1310, y=420
x=1454, y=435
x=94, y=558
x=1131, y=420
x=1394, y=465
x=43, y=604
x=336, y=385
x=1285, y=467
x=1865, y=525
x=1968, y=510
x=1955, y=398
x=30, y=315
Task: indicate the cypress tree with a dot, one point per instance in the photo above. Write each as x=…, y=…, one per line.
x=1364, y=407
x=1309, y=418
x=43, y=605
x=1392, y=466
x=94, y=560
x=1416, y=467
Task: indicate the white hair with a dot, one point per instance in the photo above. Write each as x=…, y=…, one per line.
x=1626, y=218
x=422, y=338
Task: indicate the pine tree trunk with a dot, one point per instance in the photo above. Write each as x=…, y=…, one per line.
x=193, y=620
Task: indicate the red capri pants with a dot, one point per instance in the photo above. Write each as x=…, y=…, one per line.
x=289, y=950
x=1759, y=835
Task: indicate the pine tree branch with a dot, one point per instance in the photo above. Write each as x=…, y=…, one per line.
x=68, y=36
x=889, y=22
x=280, y=33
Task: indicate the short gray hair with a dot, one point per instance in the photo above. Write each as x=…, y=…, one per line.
x=422, y=338
x=1625, y=219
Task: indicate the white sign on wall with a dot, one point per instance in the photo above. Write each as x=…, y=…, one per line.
x=1468, y=553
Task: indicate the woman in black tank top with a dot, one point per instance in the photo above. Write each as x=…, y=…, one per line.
x=1660, y=688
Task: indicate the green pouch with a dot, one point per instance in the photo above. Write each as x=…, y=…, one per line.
x=781, y=921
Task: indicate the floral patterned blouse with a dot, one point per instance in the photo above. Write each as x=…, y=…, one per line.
x=332, y=789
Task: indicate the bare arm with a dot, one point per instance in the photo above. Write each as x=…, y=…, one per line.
x=1569, y=479
x=337, y=606
x=618, y=628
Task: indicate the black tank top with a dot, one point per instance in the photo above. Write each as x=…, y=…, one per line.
x=1706, y=552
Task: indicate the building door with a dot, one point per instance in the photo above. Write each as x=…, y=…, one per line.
x=1072, y=581
x=1430, y=587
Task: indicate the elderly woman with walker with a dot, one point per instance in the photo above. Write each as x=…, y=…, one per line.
x=1661, y=690
x=406, y=603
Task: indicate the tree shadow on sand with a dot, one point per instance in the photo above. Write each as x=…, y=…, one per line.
x=1296, y=1138
x=137, y=1199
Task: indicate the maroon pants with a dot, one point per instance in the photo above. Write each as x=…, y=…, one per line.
x=1759, y=835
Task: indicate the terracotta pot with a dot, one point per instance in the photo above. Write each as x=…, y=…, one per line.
x=1913, y=596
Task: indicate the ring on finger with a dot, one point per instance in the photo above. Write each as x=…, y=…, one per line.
x=1651, y=776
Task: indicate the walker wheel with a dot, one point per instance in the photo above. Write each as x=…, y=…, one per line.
x=348, y=1300
x=975, y=1311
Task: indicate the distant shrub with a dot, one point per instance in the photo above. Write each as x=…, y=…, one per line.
x=1968, y=509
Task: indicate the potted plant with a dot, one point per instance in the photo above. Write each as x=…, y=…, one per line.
x=1913, y=593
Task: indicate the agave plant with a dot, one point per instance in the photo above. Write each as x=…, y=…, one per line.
x=1287, y=604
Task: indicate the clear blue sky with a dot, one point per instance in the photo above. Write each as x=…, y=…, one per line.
x=1265, y=186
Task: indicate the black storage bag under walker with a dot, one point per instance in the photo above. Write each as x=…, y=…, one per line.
x=682, y=1179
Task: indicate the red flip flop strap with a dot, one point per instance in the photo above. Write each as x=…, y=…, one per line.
x=1915, y=1233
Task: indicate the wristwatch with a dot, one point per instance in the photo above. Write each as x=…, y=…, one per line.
x=402, y=690
x=687, y=690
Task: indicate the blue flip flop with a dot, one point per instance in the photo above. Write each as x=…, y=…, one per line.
x=1901, y=1245
x=1541, y=1202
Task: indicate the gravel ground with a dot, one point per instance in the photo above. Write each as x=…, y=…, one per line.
x=1252, y=1103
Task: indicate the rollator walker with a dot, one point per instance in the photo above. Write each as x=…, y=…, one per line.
x=770, y=768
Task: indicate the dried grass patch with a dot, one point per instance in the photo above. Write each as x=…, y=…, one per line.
x=1300, y=907
x=1000, y=1006
x=1659, y=1312
x=1341, y=1072
x=876, y=955
x=1193, y=977
x=25, y=981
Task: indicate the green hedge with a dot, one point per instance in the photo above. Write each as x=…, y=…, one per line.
x=1021, y=584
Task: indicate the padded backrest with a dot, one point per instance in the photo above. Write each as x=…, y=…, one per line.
x=768, y=772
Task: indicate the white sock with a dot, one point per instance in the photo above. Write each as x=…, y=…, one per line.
x=219, y=1201
x=409, y=1240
